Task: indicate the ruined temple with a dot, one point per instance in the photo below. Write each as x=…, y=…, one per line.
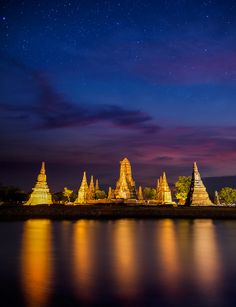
x=163, y=192
x=83, y=191
x=125, y=186
x=40, y=193
x=197, y=195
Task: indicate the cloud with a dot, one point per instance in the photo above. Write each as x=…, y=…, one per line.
x=53, y=110
x=57, y=112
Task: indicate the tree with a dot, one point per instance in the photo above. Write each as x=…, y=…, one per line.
x=67, y=193
x=100, y=194
x=58, y=197
x=227, y=195
x=149, y=193
x=11, y=194
x=182, y=187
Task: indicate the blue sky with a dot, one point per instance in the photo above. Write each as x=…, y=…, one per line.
x=86, y=83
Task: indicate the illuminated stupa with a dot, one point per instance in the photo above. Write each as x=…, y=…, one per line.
x=91, y=190
x=40, y=194
x=163, y=192
x=217, y=198
x=125, y=186
x=110, y=194
x=97, y=186
x=197, y=195
x=83, y=191
x=140, y=193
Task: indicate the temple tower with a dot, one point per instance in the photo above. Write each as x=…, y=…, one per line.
x=110, y=194
x=140, y=193
x=197, y=195
x=122, y=191
x=217, y=198
x=158, y=188
x=125, y=186
x=40, y=193
x=97, y=186
x=83, y=191
x=163, y=193
x=91, y=190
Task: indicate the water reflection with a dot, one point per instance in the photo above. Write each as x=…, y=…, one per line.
x=168, y=255
x=206, y=258
x=130, y=262
x=125, y=257
x=36, y=262
x=83, y=256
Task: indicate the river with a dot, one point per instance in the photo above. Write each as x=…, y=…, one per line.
x=124, y=262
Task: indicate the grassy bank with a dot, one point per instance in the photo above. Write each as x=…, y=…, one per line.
x=113, y=212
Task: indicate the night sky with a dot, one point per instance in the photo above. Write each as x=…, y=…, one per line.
x=86, y=83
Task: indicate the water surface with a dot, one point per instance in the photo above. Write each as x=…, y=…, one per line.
x=120, y=263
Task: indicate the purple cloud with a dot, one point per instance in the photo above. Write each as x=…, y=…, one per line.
x=53, y=110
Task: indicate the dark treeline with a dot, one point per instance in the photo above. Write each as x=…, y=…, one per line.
x=12, y=195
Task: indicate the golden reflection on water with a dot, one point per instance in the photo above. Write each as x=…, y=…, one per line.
x=36, y=262
x=168, y=254
x=125, y=257
x=206, y=257
x=82, y=263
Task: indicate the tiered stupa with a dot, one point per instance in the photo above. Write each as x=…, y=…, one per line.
x=197, y=195
x=217, y=198
x=97, y=186
x=91, y=190
x=125, y=186
x=83, y=191
x=163, y=195
x=110, y=194
x=140, y=193
x=40, y=194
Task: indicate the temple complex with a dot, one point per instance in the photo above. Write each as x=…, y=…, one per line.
x=125, y=186
x=197, y=195
x=83, y=191
x=125, y=190
x=40, y=193
x=163, y=192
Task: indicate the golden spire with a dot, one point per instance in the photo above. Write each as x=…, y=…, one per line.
x=140, y=193
x=42, y=175
x=97, y=185
x=83, y=191
x=195, y=168
x=109, y=193
x=91, y=190
x=197, y=195
x=164, y=179
x=40, y=194
x=84, y=182
x=125, y=186
x=91, y=185
x=163, y=192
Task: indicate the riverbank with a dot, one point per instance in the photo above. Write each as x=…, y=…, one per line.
x=8, y=213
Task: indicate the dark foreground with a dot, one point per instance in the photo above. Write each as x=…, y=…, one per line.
x=113, y=212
